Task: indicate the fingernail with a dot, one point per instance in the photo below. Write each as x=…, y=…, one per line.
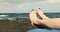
x=39, y=8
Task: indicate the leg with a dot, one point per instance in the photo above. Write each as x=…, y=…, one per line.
x=52, y=23
x=40, y=12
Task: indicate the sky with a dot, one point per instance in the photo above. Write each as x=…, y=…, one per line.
x=25, y=6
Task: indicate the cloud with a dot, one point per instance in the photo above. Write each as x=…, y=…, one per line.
x=23, y=6
x=53, y=1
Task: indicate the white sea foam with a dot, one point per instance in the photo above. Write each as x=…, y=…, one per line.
x=3, y=15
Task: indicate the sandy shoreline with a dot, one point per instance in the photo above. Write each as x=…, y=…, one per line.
x=15, y=24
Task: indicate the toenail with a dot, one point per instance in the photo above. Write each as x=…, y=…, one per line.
x=39, y=8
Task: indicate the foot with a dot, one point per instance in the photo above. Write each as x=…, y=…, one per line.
x=33, y=17
x=41, y=14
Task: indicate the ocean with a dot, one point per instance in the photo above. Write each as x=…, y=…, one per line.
x=26, y=15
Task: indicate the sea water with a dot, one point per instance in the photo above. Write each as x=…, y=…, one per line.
x=26, y=15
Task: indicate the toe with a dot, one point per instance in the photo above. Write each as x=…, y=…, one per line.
x=39, y=9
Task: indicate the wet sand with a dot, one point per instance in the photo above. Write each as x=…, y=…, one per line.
x=17, y=25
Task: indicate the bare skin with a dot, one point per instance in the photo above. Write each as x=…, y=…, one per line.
x=41, y=14
x=52, y=23
x=33, y=17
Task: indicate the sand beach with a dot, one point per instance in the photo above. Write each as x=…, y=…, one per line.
x=15, y=24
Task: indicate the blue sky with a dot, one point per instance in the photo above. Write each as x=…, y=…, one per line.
x=25, y=6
